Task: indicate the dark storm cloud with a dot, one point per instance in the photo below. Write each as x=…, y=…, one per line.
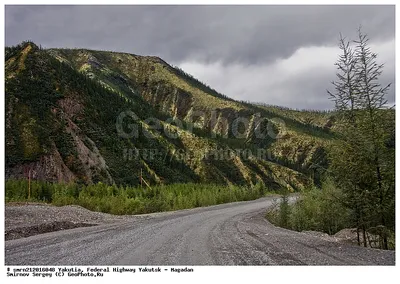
x=248, y=34
x=255, y=36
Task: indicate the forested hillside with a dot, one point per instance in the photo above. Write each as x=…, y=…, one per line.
x=68, y=112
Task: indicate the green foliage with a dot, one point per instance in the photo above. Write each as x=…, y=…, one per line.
x=31, y=95
x=363, y=160
x=284, y=211
x=101, y=85
x=299, y=121
x=131, y=200
x=318, y=209
x=17, y=190
x=119, y=70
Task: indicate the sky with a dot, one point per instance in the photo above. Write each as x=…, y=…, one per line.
x=279, y=55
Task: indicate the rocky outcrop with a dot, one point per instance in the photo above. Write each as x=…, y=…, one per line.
x=49, y=167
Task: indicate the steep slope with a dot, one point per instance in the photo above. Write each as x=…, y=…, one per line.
x=176, y=93
x=66, y=110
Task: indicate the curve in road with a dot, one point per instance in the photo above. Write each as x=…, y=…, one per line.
x=228, y=234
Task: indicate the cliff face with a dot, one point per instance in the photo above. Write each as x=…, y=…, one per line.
x=66, y=110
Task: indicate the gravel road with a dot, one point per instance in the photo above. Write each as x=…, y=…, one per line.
x=228, y=234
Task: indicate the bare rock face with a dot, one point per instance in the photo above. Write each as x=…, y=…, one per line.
x=50, y=167
x=91, y=161
x=90, y=158
x=53, y=166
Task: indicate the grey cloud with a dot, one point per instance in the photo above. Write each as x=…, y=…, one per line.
x=229, y=33
x=245, y=35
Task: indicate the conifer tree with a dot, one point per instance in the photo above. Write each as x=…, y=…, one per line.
x=361, y=161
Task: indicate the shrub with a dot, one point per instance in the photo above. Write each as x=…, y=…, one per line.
x=131, y=200
x=318, y=209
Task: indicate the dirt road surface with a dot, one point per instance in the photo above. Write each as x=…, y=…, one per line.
x=228, y=234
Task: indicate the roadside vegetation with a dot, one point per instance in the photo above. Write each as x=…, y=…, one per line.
x=359, y=187
x=317, y=209
x=121, y=200
x=323, y=209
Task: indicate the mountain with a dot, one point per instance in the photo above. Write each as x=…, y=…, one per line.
x=96, y=116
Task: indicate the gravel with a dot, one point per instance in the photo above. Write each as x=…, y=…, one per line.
x=226, y=234
x=28, y=219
